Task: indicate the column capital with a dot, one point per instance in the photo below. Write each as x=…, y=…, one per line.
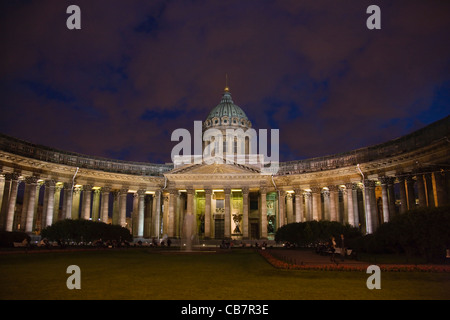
x=227, y=191
x=333, y=188
x=208, y=191
x=409, y=178
x=369, y=184
x=31, y=180
x=263, y=190
x=172, y=192
x=190, y=190
x=67, y=185
x=350, y=186
x=76, y=190
x=245, y=190
x=12, y=176
x=316, y=189
x=87, y=187
x=50, y=183
x=123, y=190
x=298, y=191
x=106, y=189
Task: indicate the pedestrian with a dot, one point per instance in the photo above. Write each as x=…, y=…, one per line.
x=342, y=248
x=332, y=249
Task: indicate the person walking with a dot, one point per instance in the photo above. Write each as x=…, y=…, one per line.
x=332, y=249
x=342, y=248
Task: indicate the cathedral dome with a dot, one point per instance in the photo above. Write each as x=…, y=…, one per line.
x=227, y=114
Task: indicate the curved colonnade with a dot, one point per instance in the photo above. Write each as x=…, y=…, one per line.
x=365, y=187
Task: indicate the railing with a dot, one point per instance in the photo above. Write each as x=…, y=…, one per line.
x=43, y=153
x=437, y=131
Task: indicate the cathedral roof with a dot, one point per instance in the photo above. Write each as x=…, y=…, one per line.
x=227, y=113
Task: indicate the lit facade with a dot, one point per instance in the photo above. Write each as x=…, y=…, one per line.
x=364, y=187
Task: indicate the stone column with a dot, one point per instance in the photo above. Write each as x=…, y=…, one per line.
x=67, y=201
x=355, y=204
x=115, y=212
x=263, y=222
x=14, y=178
x=57, y=199
x=245, y=192
x=410, y=192
x=308, y=205
x=298, y=205
x=430, y=189
x=281, y=208
x=95, y=204
x=32, y=182
x=148, y=216
x=208, y=193
x=441, y=191
x=421, y=190
x=76, y=196
x=391, y=197
x=5, y=200
x=44, y=207
x=316, y=203
x=105, y=204
x=140, y=214
x=326, y=204
x=385, y=197
x=227, y=222
x=50, y=201
x=368, y=189
x=23, y=216
x=86, y=206
x=350, y=213
x=289, y=208
x=334, y=189
x=123, y=207
x=403, y=197
x=156, y=212
x=373, y=205
x=37, y=223
x=173, y=193
x=190, y=201
x=134, y=215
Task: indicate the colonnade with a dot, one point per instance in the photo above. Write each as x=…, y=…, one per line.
x=364, y=204
x=61, y=200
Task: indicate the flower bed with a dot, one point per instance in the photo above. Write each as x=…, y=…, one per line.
x=279, y=264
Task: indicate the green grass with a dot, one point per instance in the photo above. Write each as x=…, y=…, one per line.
x=241, y=275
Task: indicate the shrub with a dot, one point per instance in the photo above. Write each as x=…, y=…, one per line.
x=85, y=230
x=421, y=232
x=310, y=232
x=8, y=238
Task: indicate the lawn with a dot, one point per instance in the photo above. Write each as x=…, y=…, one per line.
x=139, y=273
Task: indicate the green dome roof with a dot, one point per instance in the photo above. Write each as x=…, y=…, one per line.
x=226, y=113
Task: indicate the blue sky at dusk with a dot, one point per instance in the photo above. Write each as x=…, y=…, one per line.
x=137, y=70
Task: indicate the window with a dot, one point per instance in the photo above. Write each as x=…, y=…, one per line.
x=220, y=203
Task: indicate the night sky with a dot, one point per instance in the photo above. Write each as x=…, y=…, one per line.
x=137, y=70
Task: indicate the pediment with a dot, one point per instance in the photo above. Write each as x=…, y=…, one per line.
x=216, y=169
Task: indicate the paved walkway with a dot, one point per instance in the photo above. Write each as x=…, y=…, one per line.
x=309, y=257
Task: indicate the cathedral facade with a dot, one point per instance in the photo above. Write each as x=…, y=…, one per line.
x=229, y=199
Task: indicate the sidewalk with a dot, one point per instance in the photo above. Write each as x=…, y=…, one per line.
x=309, y=257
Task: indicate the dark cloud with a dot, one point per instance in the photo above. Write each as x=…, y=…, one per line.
x=137, y=70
